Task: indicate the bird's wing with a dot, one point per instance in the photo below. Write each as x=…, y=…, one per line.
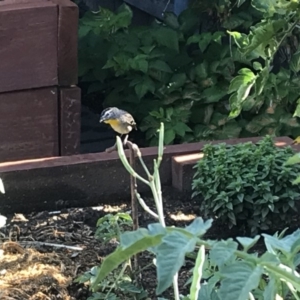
x=129, y=119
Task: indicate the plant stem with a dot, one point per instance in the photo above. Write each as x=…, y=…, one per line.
x=117, y=279
x=125, y=162
x=175, y=287
x=144, y=206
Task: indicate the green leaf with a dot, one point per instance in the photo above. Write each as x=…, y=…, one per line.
x=248, y=243
x=128, y=238
x=177, y=81
x=139, y=65
x=202, y=70
x=204, y=40
x=181, y=128
x=167, y=37
x=145, y=86
x=169, y=136
x=233, y=21
x=170, y=256
x=198, y=227
x=191, y=94
x=207, y=292
x=160, y=65
x=295, y=62
x=240, y=2
x=223, y=251
x=257, y=66
x=297, y=110
x=120, y=255
x=266, y=6
x=285, y=244
x=259, y=122
x=213, y=94
x=83, y=31
x=262, y=34
x=261, y=80
x=297, y=180
x=240, y=39
x=246, y=76
x=240, y=279
x=171, y=20
x=295, y=159
x=270, y=290
x=195, y=38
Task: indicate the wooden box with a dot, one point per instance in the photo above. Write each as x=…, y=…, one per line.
x=39, y=102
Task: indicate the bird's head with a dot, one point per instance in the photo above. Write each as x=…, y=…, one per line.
x=108, y=114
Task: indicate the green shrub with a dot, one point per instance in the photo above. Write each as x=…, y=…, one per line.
x=202, y=85
x=247, y=184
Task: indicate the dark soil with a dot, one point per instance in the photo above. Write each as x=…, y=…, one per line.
x=30, y=270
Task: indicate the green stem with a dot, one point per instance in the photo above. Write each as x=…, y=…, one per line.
x=158, y=204
x=125, y=162
x=117, y=279
x=139, y=155
x=197, y=274
x=144, y=205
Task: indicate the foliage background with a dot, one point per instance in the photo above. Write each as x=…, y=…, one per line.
x=222, y=69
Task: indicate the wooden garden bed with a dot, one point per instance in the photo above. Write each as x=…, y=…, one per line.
x=88, y=179
x=39, y=100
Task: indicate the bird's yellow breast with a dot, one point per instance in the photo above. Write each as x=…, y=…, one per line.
x=118, y=126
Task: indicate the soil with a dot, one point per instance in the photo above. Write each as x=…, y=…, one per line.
x=30, y=269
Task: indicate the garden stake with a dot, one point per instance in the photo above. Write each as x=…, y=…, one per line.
x=134, y=206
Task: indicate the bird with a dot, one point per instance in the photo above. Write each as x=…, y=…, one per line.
x=120, y=120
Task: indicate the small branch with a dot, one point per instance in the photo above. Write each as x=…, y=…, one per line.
x=111, y=149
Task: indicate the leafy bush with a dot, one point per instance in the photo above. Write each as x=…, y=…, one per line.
x=202, y=85
x=247, y=184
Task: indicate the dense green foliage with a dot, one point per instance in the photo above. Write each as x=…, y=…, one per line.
x=216, y=83
x=247, y=184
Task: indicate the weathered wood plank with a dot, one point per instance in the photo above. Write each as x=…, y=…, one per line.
x=67, y=42
x=70, y=120
x=28, y=124
x=28, y=39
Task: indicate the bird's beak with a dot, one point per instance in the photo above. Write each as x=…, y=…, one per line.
x=101, y=120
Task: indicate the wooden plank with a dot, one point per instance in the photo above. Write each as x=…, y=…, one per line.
x=28, y=124
x=28, y=39
x=70, y=120
x=67, y=42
